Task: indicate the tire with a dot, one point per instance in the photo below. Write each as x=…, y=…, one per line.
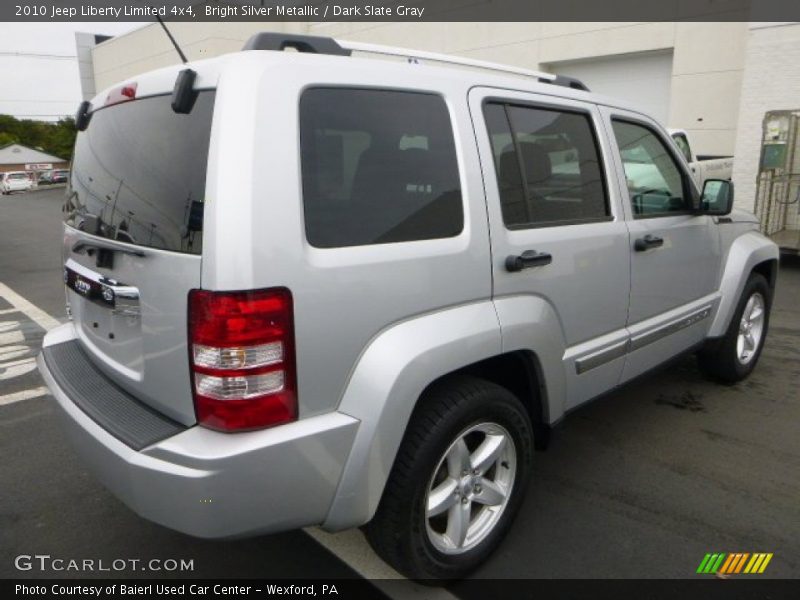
x=481, y=415
x=734, y=356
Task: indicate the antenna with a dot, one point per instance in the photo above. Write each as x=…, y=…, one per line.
x=172, y=39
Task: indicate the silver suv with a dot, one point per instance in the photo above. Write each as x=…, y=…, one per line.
x=315, y=288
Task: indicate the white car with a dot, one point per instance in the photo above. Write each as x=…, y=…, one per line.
x=15, y=181
x=702, y=167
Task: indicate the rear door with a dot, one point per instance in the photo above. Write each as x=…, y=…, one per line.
x=133, y=239
x=675, y=256
x=553, y=205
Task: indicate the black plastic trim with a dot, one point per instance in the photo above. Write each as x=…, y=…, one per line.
x=564, y=81
x=313, y=44
x=111, y=407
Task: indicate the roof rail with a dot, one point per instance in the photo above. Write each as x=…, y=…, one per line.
x=325, y=45
x=417, y=55
x=571, y=82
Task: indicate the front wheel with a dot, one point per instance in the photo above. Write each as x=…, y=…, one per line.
x=734, y=356
x=457, y=483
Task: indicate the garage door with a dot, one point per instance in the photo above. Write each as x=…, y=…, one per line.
x=642, y=80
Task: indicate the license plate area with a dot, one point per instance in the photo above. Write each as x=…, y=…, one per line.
x=108, y=293
x=93, y=291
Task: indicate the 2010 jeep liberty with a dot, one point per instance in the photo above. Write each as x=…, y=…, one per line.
x=308, y=288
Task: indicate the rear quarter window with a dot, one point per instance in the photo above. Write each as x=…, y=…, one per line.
x=378, y=167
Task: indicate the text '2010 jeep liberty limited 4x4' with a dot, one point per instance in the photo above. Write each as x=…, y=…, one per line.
x=327, y=290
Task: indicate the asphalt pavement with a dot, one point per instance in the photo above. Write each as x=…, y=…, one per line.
x=639, y=484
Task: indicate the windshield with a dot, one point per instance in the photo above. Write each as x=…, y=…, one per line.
x=139, y=174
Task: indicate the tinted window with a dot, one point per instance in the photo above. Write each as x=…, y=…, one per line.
x=139, y=173
x=378, y=167
x=655, y=183
x=557, y=152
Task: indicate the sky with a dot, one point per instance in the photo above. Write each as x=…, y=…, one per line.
x=44, y=87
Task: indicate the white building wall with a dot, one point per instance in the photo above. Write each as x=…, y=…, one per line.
x=149, y=48
x=84, y=42
x=771, y=82
x=706, y=71
x=643, y=78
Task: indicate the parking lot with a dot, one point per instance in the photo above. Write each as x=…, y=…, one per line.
x=640, y=484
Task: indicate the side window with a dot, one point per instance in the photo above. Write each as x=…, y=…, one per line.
x=378, y=167
x=558, y=154
x=683, y=145
x=655, y=182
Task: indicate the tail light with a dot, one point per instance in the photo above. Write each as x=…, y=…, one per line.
x=241, y=348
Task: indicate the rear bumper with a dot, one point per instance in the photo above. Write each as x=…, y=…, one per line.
x=216, y=485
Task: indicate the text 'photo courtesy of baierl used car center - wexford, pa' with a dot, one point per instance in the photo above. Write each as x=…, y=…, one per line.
x=400, y=300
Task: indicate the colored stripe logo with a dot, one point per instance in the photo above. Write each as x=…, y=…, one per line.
x=735, y=563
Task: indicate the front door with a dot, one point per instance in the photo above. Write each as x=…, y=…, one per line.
x=675, y=255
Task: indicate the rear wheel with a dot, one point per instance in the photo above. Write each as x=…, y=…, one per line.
x=457, y=483
x=734, y=357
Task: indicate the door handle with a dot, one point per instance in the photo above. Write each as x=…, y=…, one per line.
x=648, y=242
x=527, y=260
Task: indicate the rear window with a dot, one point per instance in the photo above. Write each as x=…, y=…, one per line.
x=378, y=167
x=139, y=174
x=18, y=176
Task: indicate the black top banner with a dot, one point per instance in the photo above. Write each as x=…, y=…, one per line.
x=401, y=11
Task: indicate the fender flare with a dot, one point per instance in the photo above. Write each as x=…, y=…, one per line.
x=746, y=251
x=389, y=377
x=530, y=323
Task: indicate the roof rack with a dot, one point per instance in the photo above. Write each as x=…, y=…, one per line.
x=302, y=43
x=325, y=45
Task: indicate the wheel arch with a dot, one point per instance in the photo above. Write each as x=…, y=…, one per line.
x=749, y=253
x=769, y=269
x=520, y=372
x=400, y=364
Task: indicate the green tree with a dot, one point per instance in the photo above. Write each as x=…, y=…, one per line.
x=54, y=138
x=7, y=138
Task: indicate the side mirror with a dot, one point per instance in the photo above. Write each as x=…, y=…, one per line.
x=717, y=197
